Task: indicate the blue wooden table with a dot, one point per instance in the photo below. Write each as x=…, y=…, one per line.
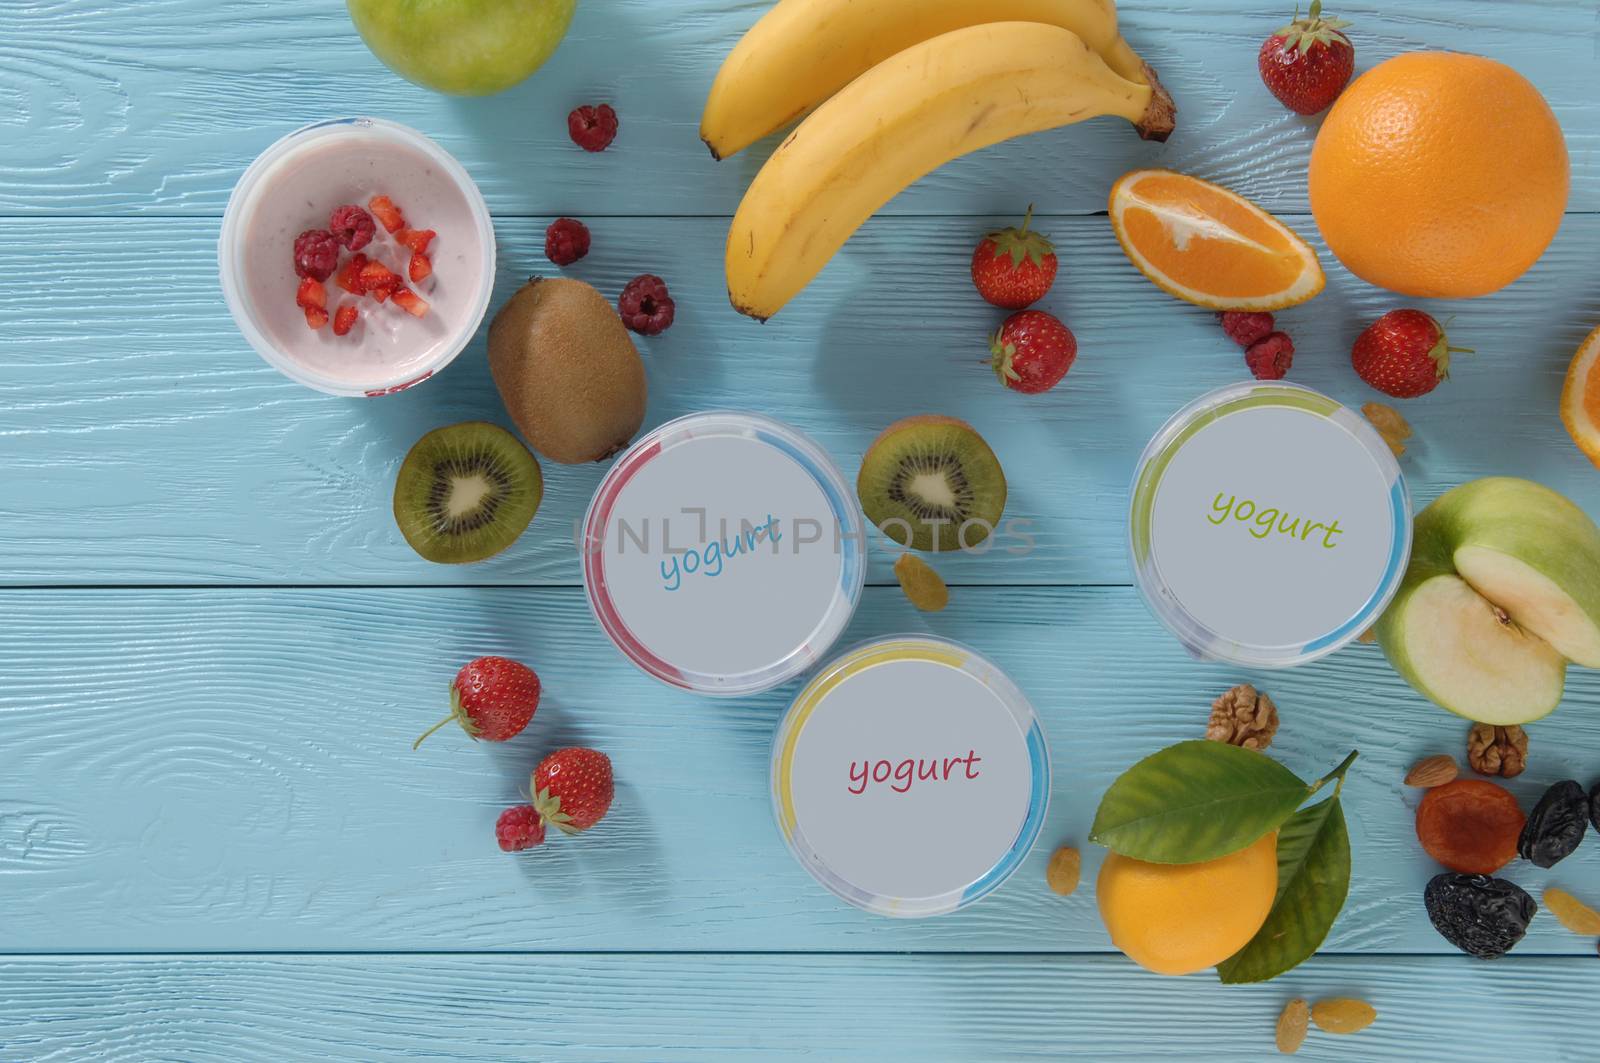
x=215, y=649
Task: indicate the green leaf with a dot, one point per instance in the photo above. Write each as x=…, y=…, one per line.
x=1313, y=879
x=1195, y=801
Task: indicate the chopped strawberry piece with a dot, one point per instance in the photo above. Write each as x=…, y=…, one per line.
x=385, y=211
x=378, y=280
x=316, y=317
x=311, y=294
x=410, y=302
x=415, y=239
x=421, y=267
x=349, y=277
x=344, y=319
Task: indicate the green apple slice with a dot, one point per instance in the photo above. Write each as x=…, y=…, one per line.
x=1536, y=601
x=1458, y=649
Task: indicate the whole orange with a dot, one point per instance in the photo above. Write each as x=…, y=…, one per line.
x=1439, y=174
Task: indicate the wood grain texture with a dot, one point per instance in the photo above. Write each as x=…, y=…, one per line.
x=697, y=1008
x=142, y=441
x=156, y=107
x=232, y=770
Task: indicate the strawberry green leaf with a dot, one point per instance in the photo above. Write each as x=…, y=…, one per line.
x=1196, y=801
x=1313, y=880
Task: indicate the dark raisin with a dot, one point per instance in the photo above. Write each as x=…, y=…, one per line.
x=1556, y=825
x=1479, y=915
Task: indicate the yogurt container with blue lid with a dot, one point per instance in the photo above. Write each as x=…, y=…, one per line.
x=1269, y=525
x=724, y=553
x=910, y=777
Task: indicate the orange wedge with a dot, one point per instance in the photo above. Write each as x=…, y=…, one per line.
x=1580, y=398
x=1205, y=245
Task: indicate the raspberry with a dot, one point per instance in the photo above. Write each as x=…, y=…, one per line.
x=1245, y=328
x=645, y=305
x=566, y=241
x=316, y=254
x=1270, y=357
x=592, y=127
x=352, y=226
x=519, y=828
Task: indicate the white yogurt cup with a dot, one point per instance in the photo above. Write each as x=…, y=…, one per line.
x=292, y=187
x=1268, y=525
x=724, y=553
x=910, y=777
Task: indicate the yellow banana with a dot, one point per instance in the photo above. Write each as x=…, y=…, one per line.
x=803, y=51
x=908, y=115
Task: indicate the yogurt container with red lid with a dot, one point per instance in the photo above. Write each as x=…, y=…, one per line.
x=1269, y=525
x=910, y=777
x=724, y=553
x=294, y=186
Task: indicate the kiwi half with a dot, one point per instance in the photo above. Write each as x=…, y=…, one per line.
x=465, y=492
x=932, y=483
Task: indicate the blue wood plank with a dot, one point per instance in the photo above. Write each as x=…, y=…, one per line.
x=232, y=770
x=696, y=1008
x=144, y=442
x=157, y=106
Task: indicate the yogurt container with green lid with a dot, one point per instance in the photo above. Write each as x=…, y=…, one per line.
x=910, y=777
x=1269, y=525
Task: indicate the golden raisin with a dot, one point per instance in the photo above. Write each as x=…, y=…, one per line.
x=1390, y=425
x=1292, y=1026
x=1342, y=1015
x=921, y=584
x=1572, y=913
x=1063, y=870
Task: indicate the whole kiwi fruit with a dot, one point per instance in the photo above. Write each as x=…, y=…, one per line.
x=567, y=371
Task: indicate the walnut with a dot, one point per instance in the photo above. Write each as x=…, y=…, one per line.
x=1495, y=750
x=1243, y=717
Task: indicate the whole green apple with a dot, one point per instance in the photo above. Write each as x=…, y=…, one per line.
x=463, y=47
x=1502, y=591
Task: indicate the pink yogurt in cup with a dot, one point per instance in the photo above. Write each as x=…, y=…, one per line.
x=293, y=186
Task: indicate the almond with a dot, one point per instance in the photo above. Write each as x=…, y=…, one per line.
x=1432, y=771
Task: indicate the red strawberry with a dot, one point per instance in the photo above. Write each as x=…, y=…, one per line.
x=349, y=277
x=311, y=295
x=410, y=302
x=492, y=698
x=1404, y=353
x=1307, y=63
x=519, y=828
x=572, y=788
x=385, y=211
x=316, y=317
x=344, y=319
x=1013, y=268
x=1032, y=351
x=415, y=240
x=378, y=280
x=420, y=267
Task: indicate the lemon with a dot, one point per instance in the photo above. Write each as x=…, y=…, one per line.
x=1182, y=918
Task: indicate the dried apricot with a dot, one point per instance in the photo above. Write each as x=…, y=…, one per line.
x=1292, y=1026
x=1571, y=912
x=1470, y=825
x=1343, y=1015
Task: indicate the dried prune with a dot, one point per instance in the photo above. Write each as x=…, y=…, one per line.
x=1556, y=825
x=1594, y=805
x=1479, y=915
x=1470, y=826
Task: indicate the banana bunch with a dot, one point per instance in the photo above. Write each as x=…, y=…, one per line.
x=891, y=90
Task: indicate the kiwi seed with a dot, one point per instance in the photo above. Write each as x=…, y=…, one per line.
x=465, y=492
x=932, y=483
